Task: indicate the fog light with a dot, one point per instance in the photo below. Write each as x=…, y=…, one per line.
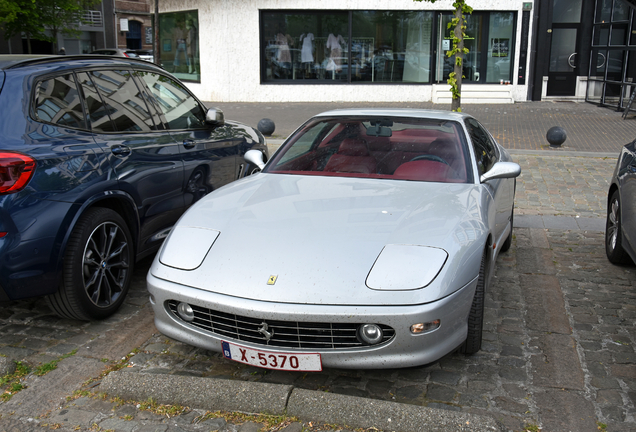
x=185, y=311
x=425, y=327
x=370, y=334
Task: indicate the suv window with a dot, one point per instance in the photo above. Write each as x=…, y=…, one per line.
x=57, y=101
x=121, y=99
x=181, y=110
x=484, y=147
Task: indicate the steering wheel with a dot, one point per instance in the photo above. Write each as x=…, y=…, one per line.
x=430, y=157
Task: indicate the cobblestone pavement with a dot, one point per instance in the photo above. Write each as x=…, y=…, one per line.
x=558, y=348
x=563, y=185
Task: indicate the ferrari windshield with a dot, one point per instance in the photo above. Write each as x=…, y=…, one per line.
x=377, y=147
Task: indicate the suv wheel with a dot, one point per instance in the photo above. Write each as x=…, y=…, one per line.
x=98, y=267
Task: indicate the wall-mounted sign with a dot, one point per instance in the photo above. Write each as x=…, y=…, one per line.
x=527, y=6
x=148, y=35
x=446, y=44
x=123, y=24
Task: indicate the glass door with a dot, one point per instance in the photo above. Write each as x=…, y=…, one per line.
x=566, y=23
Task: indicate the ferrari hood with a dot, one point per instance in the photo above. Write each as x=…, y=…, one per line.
x=328, y=240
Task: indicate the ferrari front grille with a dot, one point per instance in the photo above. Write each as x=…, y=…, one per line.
x=286, y=334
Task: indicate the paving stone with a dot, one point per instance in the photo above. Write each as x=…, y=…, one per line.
x=440, y=393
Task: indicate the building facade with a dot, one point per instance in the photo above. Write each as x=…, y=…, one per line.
x=380, y=50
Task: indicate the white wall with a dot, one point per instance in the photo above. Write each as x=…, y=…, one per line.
x=229, y=51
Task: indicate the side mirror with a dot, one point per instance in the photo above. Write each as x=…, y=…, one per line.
x=255, y=157
x=501, y=170
x=215, y=117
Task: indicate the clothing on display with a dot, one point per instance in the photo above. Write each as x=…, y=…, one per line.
x=283, y=42
x=307, y=52
x=335, y=57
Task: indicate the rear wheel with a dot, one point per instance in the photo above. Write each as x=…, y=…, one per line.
x=613, y=232
x=472, y=344
x=98, y=267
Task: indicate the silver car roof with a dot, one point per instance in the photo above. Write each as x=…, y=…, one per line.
x=396, y=112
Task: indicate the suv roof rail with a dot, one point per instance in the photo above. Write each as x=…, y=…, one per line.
x=19, y=60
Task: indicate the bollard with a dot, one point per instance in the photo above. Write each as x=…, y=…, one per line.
x=266, y=126
x=556, y=136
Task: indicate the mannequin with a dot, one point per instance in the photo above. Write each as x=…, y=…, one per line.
x=307, y=52
x=335, y=57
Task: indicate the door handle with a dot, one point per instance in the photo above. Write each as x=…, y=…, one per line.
x=604, y=59
x=120, y=150
x=188, y=144
x=570, y=60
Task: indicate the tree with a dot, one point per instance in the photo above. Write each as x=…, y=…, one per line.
x=43, y=19
x=458, y=50
x=25, y=20
x=8, y=11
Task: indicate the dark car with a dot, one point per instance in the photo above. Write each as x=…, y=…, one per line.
x=620, y=228
x=99, y=157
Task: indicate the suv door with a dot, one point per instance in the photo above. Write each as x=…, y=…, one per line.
x=209, y=152
x=145, y=158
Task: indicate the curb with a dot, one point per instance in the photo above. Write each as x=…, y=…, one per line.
x=213, y=394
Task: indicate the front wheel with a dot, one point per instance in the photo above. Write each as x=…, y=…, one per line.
x=472, y=344
x=98, y=267
x=613, y=232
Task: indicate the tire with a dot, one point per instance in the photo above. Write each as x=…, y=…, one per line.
x=98, y=266
x=508, y=242
x=613, y=232
x=196, y=185
x=472, y=344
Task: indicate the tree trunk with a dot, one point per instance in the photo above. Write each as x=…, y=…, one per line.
x=457, y=103
x=29, y=43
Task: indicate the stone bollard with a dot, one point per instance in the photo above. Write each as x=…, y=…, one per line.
x=556, y=136
x=266, y=126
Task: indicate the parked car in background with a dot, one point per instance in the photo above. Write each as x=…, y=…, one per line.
x=118, y=52
x=98, y=161
x=145, y=54
x=620, y=227
x=372, y=237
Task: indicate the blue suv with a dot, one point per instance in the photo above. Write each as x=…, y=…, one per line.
x=99, y=157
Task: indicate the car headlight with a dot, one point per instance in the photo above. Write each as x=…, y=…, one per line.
x=187, y=247
x=406, y=267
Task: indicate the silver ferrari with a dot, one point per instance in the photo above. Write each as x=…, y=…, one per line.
x=367, y=241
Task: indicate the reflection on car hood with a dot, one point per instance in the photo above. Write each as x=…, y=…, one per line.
x=320, y=236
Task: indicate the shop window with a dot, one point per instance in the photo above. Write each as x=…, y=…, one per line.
x=381, y=47
x=619, y=34
x=601, y=35
x=179, y=41
x=615, y=65
x=500, y=60
x=603, y=11
x=391, y=46
x=306, y=46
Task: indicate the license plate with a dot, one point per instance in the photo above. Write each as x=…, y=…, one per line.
x=272, y=360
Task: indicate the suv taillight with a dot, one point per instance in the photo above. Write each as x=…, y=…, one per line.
x=16, y=170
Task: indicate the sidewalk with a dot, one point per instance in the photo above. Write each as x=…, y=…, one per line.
x=559, y=339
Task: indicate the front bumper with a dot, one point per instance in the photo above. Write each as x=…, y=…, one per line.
x=403, y=350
